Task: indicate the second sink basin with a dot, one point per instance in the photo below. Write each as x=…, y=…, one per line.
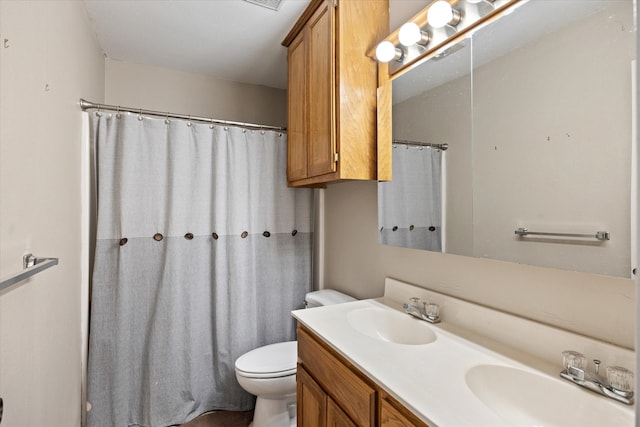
x=524, y=398
x=390, y=326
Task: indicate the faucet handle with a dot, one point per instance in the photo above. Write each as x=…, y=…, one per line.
x=620, y=379
x=574, y=359
x=432, y=310
x=414, y=302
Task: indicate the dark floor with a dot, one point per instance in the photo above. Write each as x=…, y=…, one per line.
x=222, y=419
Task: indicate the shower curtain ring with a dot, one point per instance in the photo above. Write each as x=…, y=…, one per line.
x=211, y=126
x=166, y=119
x=118, y=115
x=189, y=121
x=140, y=114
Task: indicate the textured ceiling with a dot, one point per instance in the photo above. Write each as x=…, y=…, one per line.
x=228, y=39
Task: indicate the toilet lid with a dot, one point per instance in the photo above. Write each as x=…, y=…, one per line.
x=270, y=361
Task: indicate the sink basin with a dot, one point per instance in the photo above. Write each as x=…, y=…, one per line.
x=524, y=398
x=390, y=326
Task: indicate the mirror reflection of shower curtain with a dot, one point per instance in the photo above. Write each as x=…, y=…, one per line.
x=201, y=254
x=410, y=208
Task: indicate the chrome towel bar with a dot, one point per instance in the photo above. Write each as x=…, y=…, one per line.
x=32, y=265
x=600, y=235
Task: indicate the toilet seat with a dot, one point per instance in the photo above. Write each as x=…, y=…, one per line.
x=270, y=361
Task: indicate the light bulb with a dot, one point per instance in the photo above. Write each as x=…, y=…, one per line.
x=386, y=51
x=474, y=1
x=409, y=34
x=440, y=14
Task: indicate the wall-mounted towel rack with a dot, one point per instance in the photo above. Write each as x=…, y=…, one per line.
x=32, y=265
x=600, y=235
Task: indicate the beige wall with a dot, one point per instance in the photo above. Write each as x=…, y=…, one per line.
x=161, y=89
x=52, y=60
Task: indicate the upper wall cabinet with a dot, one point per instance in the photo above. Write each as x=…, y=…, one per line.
x=332, y=91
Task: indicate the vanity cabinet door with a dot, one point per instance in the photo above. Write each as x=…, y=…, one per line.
x=393, y=414
x=355, y=396
x=311, y=404
x=336, y=416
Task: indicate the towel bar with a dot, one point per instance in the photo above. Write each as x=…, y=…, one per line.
x=600, y=235
x=32, y=265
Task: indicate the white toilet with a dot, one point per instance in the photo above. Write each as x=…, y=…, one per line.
x=269, y=372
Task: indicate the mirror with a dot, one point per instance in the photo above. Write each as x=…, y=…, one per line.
x=536, y=110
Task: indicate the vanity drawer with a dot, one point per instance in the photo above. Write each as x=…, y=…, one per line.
x=352, y=393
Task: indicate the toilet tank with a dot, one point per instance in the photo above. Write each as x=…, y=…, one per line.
x=325, y=297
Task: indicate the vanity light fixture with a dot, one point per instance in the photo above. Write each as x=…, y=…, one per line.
x=410, y=34
x=441, y=13
x=386, y=52
x=436, y=31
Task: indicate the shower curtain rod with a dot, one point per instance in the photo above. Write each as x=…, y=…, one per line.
x=442, y=147
x=87, y=105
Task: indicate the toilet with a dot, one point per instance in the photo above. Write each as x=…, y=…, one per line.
x=269, y=372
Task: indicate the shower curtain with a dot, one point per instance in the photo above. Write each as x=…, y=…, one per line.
x=410, y=207
x=202, y=252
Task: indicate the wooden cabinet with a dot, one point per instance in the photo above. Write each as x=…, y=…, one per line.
x=311, y=401
x=332, y=392
x=332, y=84
x=393, y=414
x=315, y=407
x=336, y=417
x=346, y=387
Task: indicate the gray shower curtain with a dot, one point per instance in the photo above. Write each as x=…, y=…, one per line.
x=202, y=252
x=410, y=207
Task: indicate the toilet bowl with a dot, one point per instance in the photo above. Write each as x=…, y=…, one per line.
x=269, y=372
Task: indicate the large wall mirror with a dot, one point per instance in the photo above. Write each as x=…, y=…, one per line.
x=537, y=113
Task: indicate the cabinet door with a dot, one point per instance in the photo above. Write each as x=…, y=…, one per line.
x=321, y=108
x=336, y=416
x=311, y=401
x=396, y=416
x=297, y=99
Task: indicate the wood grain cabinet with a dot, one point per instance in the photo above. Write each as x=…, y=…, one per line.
x=332, y=392
x=332, y=83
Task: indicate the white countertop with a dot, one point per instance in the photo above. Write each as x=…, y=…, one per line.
x=429, y=379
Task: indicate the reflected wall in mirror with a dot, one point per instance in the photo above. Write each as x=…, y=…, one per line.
x=536, y=109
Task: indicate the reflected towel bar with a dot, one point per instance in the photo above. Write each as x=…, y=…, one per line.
x=442, y=147
x=600, y=235
x=32, y=265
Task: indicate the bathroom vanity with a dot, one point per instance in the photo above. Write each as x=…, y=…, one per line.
x=368, y=363
x=332, y=391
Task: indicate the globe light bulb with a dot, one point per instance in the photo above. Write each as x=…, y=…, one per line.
x=386, y=51
x=439, y=14
x=409, y=34
x=473, y=1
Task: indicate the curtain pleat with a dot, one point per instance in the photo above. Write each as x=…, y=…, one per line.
x=202, y=252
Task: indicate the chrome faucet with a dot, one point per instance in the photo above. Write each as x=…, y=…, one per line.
x=617, y=386
x=422, y=310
